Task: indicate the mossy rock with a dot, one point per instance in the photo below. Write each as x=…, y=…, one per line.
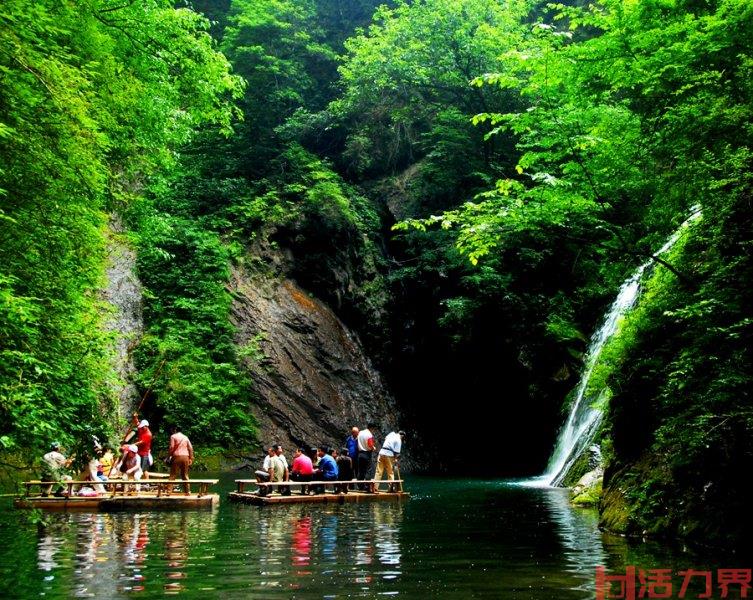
x=581, y=466
x=588, y=497
x=214, y=459
x=614, y=512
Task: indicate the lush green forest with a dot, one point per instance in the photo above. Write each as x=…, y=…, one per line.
x=465, y=182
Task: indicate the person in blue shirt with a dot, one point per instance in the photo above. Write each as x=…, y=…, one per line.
x=351, y=443
x=326, y=470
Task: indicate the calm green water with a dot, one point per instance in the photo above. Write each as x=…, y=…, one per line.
x=452, y=539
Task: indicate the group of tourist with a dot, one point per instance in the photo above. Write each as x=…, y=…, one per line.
x=353, y=461
x=349, y=465
x=132, y=463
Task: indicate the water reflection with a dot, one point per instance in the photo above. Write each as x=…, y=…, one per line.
x=47, y=549
x=578, y=529
x=453, y=539
x=301, y=556
x=328, y=537
x=95, y=573
x=307, y=546
x=176, y=553
x=133, y=535
x=111, y=555
x=388, y=520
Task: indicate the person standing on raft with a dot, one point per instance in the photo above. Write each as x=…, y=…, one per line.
x=144, y=445
x=366, y=446
x=181, y=457
x=53, y=469
x=388, y=457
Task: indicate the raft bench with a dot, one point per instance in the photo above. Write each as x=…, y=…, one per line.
x=121, y=494
x=268, y=492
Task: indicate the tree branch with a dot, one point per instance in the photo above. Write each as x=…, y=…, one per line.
x=116, y=8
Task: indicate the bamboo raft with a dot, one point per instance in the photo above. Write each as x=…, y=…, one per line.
x=120, y=496
x=269, y=493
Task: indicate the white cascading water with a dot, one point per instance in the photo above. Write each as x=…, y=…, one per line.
x=584, y=419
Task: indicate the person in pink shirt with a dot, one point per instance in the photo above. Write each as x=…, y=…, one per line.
x=302, y=469
x=181, y=457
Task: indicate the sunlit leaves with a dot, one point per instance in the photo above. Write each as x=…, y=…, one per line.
x=184, y=268
x=96, y=97
x=417, y=61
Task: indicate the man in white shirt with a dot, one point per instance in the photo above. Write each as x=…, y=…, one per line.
x=388, y=457
x=264, y=473
x=284, y=489
x=366, y=447
x=53, y=469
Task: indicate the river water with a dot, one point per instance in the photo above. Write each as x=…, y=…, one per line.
x=452, y=539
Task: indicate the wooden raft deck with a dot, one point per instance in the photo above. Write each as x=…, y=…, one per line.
x=117, y=498
x=268, y=496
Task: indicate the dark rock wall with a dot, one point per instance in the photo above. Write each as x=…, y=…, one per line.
x=312, y=378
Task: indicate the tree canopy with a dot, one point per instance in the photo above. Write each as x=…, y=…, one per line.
x=466, y=182
x=95, y=97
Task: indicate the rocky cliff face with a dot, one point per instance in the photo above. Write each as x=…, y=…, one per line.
x=124, y=294
x=312, y=377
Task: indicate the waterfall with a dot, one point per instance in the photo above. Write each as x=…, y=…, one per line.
x=584, y=420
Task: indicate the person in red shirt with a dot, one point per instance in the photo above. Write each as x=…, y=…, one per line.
x=302, y=469
x=144, y=445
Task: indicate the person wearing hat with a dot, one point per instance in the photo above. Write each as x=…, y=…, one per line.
x=144, y=444
x=53, y=469
x=131, y=466
x=388, y=457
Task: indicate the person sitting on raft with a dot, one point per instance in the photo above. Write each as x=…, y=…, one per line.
x=131, y=465
x=302, y=469
x=344, y=470
x=105, y=463
x=280, y=454
x=327, y=469
x=265, y=473
x=93, y=467
x=274, y=470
